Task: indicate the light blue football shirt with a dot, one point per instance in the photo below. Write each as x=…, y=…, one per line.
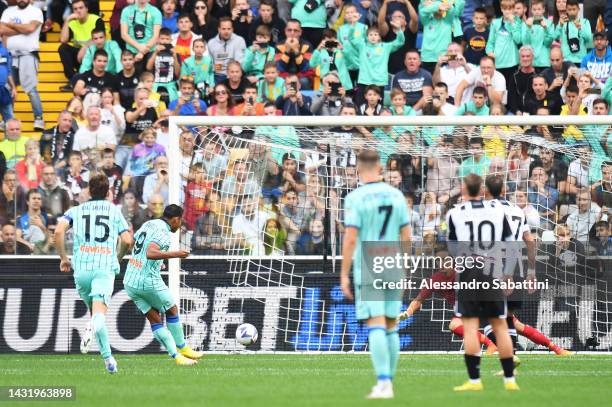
x=143, y=273
x=96, y=225
x=379, y=211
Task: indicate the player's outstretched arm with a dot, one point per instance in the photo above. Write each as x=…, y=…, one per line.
x=154, y=252
x=60, y=234
x=348, y=248
x=414, y=306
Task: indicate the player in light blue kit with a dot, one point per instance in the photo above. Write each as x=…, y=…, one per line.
x=375, y=212
x=146, y=288
x=96, y=224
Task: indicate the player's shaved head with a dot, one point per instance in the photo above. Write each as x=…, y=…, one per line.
x=98, y=187
x=495, y=185
x=473, y=183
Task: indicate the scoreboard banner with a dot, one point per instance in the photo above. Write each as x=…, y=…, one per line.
x=40, y=311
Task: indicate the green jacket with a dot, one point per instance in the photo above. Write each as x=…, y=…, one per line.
x=540, y=39
x=315, y=19
x=254, y=61
x=266, y=93
x=202, y=71
x=114, y=58
x=150, y=17
x=322, y=58
x=504, y=39
x=374, y=59
x=437, y=32
x=350, y=52
x=584, y=35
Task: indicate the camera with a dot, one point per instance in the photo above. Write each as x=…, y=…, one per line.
x=330, y=44
x=335, y=88
x=437, y=97
x=537, y=21
x=251, y=100
x=163, y=172
x=293, y=86
x=244, y=12
x=168, y=47
x=452, y=57
x=263, y=44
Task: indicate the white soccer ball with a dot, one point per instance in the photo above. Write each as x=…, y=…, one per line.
x=246, y=334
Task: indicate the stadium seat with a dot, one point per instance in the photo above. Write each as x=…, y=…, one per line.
x=50, y=78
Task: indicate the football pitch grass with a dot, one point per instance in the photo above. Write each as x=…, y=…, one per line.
x=308, y=380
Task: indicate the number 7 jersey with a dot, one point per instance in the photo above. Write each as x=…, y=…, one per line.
x=96, y=226
x=379, y=211
x=143, y=273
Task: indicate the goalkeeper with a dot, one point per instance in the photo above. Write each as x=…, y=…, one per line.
x=146, y=288
x=447, y=275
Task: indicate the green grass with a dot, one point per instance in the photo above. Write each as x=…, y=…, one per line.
x=308, y=380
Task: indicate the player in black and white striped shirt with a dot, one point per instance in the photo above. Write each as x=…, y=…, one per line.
x=477, y=220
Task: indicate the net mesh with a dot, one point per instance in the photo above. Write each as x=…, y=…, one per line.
x=260, y=195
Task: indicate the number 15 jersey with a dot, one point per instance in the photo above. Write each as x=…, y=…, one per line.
x=379, y=211
x=143, y=273
x=96, y=226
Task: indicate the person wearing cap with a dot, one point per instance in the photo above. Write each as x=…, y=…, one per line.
x=599, y=60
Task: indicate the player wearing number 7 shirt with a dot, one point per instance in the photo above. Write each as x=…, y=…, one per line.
x=144, y=284
x=96, y=224
x=374, y=212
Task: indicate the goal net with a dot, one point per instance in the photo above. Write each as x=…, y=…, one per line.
x=264, y=210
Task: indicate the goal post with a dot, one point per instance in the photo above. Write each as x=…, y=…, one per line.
x=256, y=266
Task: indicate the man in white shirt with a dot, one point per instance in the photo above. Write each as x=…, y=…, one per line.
x=93, y=135
x=584, y=217
x=20, y=26
x=452, y=68
x=488, y=78
x=248, y=228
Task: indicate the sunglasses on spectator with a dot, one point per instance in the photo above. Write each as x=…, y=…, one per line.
x=200, y=7
x=220, y=92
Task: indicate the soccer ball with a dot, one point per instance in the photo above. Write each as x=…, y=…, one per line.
x=246, y=334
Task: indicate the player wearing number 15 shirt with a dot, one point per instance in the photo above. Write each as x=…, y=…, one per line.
x=374, y=212
x=96, y=224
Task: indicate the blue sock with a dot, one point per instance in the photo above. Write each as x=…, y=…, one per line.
x=393, y=343
x=176, y=329
x=163, y=336
x=379, y=351
x=98, y=321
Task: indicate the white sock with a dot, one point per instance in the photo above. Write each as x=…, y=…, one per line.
x=474, y=381
x=509, y=380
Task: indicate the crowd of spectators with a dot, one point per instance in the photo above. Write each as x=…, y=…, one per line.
x=306, y=57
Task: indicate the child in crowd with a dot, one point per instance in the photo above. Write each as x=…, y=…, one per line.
x=373, y=102
x=358, y=30
x=147, y=80
x=200, y=68
x=475, y=38
x=271, y=86
x=144, y=154
x=539, y=33
x=374, y=57
x=504, y=39
x=165, y=63
x=329, y=57
x=438, y=19
x=258, y=55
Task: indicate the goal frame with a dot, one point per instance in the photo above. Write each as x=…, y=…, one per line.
x=176, y=123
